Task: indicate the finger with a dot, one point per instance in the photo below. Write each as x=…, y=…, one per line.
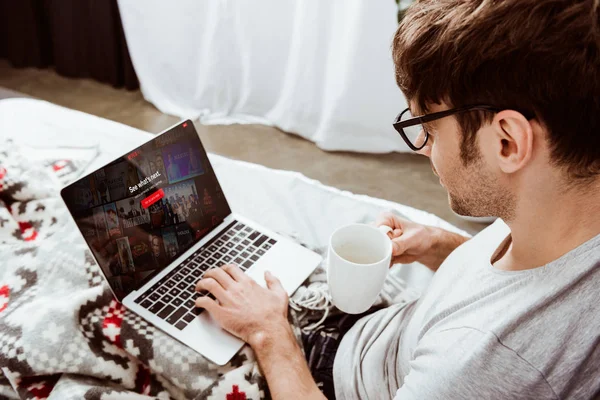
x=212, y=286
x=398, y=246
x=236, y=273
x=207, y=303
x=220, y=276
x=274, y=284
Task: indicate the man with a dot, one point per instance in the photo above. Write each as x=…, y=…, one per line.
x=509, y=92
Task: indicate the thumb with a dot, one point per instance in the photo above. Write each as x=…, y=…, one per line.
x=274, y=284
x=398, y=246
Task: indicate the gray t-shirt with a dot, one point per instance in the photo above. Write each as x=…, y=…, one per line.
x=483, y=333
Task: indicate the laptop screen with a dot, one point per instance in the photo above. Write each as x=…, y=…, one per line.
x=143, y=210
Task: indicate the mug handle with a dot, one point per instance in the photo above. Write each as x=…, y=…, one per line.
x=385, y=229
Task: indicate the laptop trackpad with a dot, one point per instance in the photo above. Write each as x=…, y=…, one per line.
x=206, y=336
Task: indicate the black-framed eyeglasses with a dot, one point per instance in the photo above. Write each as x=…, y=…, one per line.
x=414, y=133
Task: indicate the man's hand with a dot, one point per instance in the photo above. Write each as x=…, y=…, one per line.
x=245, y=309
x=258, y=316
x=415, y=242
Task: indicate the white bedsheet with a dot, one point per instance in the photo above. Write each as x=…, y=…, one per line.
x=284, y=201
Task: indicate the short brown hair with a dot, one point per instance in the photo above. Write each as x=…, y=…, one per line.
x=541, y=56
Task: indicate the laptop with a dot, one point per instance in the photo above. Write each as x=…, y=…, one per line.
x=156, y=219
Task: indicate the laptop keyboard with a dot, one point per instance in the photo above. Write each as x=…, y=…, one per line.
x=173, y=297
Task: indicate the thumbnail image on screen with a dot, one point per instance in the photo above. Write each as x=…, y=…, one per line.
x=143, y=210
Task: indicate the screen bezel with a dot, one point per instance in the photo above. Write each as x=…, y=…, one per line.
x=186, y=124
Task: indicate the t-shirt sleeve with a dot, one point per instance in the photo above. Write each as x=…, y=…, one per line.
x=465, y=363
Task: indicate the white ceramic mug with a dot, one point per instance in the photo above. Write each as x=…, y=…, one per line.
x=358, y=263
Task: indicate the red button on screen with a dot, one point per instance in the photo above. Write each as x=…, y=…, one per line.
x=153, y=198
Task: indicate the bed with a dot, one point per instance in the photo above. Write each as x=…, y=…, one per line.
x=62, y=335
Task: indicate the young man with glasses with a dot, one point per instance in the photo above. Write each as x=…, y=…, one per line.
x=505, y=101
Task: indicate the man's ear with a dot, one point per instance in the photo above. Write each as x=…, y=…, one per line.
x=515, y=137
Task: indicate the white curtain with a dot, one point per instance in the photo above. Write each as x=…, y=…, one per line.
x=321, y=69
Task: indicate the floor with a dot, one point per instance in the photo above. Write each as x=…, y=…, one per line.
x=403, y=178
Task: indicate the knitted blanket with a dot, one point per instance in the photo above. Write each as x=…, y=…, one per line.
x=62, y=334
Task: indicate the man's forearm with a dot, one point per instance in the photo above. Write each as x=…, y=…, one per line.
x=444, y=243
x=283, y=364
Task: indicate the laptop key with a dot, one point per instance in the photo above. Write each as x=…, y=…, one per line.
x=229, y=245
x=260, y=252
x=236, y=239
x=197, y=272
x=246, y=243
x=239, y=226
x=254, y=257
x=238, y=261
x=180, y=325
x=146, y=303
x=272, y=242
x=219, y=243
x=247, y=264
x=182, y=285
x=189, y=279
x=198, y=310
x=244, y=254
x=176, y=315
x=154, y=296
x=177, y=302
x=204, y=267
x=189, y=303
x=165, y=312
x=260, y=240
x=227, y=259
x=174, y=292
x=185, y=295
x=254, y=235
x=189, y=317
x=167, y=298
x=162, y=290
x=141, y=298
x=211, y=261
x=156, y=307
x=266, y=247
x=233, y=253
x=239, y=247
x=170, y=284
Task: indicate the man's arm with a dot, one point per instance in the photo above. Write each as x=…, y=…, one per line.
x=284, y=366
x=443, y=243
x=258, y=316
